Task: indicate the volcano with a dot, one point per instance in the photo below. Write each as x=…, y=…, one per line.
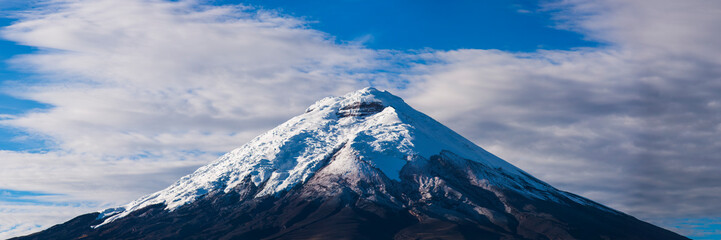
x=362, y=166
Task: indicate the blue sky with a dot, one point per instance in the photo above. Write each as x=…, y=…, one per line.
x=405, y=25
x=582, y=94
x=9, y=104
x=397, y=25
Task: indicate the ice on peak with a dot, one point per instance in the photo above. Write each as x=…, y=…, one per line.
x=363, y=97
x=377, y=126
x=368, y=94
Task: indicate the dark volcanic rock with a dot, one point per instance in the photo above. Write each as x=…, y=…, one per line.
x=362, y=166
x=360, y=109
x=448, y=210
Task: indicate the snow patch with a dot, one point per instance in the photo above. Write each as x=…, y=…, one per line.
x=375, y=127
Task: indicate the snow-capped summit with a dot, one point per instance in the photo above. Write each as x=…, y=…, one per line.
x=361, y=166
x=375, y=124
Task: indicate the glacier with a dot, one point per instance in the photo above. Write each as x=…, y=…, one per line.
x=376, y=125
x=365, y=165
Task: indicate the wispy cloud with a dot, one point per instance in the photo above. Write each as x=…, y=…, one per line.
x=57, y=186
x=133, y=76
x=633, y=124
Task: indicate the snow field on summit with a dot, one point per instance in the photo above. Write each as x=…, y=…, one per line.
x=378, y=127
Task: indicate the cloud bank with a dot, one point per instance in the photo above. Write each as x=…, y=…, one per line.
x=633, y=125
x=144, y=91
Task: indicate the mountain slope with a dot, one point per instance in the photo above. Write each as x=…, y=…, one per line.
x=362, y=166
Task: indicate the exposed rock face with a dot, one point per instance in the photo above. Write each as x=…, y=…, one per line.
x=361, y=109
x=364, y=166
x=434, y=200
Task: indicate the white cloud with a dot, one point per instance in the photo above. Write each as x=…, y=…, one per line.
x=631, y=124
x=14, y=217
x=649, y=27
x=79, y=183
x=131, y=76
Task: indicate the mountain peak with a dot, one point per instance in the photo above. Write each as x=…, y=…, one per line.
x=361, y=166
x=368, y=91
x=380, y=128
x=369, y=97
